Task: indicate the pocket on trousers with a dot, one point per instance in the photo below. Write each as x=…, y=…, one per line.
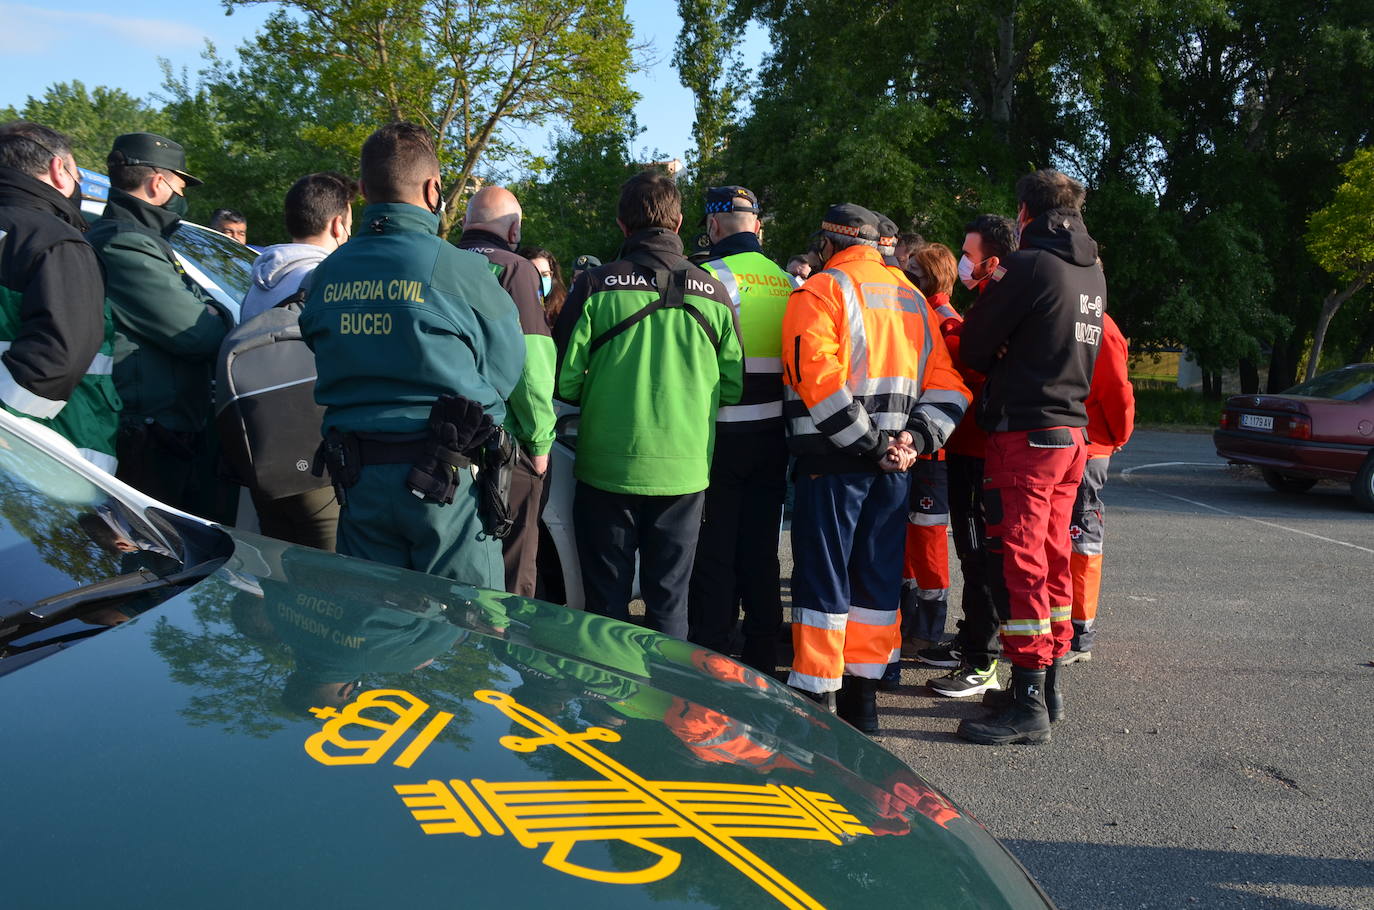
x=1058, y=438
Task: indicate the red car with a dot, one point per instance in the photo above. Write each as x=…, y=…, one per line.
x=1319, y=429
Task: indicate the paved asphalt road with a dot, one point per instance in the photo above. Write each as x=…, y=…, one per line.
x=1217, y=750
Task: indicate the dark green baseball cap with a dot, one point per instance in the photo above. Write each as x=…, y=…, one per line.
x=152, y=150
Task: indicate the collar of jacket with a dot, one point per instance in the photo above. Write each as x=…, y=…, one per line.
x=26, y=191
x=126, y=207
x=743, y=242
x=476, y=236
x=856, y=253
x=654, y=244
x=391, y=217
x=1062, y=233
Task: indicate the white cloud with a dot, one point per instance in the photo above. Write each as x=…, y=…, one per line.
x=31, y=30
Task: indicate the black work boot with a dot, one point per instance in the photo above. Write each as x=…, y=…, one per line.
x=857, y=704
x=1025, y=720
x=997, y=701
x=825, y=699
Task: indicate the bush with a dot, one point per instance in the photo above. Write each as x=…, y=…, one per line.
x=1174, y=407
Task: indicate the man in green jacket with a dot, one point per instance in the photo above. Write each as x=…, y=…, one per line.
x=397, y=317
x=647, y=347
x=737, y=558
x=167, y=331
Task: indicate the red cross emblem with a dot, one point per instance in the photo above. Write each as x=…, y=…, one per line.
x=1075, y=532
x=927, y=503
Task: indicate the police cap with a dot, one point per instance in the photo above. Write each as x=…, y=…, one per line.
x=585, y=261
x=722, y=199
x=887, y=238
x=152, y=150
x=851, y=222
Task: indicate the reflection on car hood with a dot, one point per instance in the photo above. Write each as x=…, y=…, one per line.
x=302, y=729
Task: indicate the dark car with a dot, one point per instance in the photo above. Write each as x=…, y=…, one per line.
x=1319, y=429
x=199, y=717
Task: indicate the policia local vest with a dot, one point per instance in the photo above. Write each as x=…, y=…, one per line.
x=758, y=292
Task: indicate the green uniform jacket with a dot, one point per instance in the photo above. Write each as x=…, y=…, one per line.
x=529, y=413
x=649, y=396
x=398, y=316
x=167, y=332
x=55, y=329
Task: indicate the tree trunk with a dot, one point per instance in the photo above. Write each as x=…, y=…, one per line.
x=1249, y=376
x=1283, y=365
x=1211, y=384
x=1330, y=305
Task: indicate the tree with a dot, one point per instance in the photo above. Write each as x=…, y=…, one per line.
x=1340, y=237
x=466, y=71
x=91, y=119
x=709, y=66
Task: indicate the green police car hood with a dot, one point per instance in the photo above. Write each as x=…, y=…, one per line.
x=303, y=729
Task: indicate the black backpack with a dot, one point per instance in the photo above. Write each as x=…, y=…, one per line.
x=265, y=410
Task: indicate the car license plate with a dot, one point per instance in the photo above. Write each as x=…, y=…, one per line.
x=1256, y=422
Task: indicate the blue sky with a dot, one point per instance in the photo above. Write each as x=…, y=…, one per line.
x=100, y=43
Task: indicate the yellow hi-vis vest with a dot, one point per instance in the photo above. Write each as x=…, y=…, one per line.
x=758, y=291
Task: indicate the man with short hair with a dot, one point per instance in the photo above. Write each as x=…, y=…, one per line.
x=318, y=213
x=908, y=242
x=319, y=218
x=1035, y=333
x=737, y=554
x=972, y=656
x=799, y=267
x=870, y=387
x=167, y=330
x=647, y=348
x=56, y=334
x=491, y=228
x=417, y=349
x=231, y=224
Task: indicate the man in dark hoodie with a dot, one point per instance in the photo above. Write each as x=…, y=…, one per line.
x=55, y=332
x=1035, y=332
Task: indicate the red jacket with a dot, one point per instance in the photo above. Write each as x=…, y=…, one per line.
x=968, y=438
x=1111, y=400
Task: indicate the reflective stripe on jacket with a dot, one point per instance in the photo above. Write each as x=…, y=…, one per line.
x=758, y=292
x=863, y=359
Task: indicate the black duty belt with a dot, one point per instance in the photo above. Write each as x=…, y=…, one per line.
x=391, y=448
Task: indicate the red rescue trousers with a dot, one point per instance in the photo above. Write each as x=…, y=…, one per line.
x=1030, y=481
x=925, y=576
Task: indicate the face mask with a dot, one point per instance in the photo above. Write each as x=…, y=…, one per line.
x=546, y=282
x=439, y=209
x=966, y=267
x=177, y=205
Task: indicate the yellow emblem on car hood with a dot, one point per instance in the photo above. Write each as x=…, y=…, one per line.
x=616, y=805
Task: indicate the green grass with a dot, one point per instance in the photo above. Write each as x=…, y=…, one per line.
x=1174, y=407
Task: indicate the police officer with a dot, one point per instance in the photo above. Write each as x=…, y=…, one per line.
x=167, y=330
x=737, y=553
x=398, y=318
x=492, y=229
x=55, y=330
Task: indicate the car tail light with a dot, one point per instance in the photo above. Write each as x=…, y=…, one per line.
x=1295, y=426
x=1228, y=420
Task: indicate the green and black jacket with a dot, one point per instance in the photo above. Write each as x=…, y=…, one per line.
x=529, y=412
x=649, y=396
x=55, y=330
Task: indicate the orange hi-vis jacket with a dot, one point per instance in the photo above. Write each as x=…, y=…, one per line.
x=1111, y=399
x=863, y=360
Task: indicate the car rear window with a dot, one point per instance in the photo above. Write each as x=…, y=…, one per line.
x=228, y=262
x=1346, y=384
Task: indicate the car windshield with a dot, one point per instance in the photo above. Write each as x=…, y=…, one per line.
x=1346, y=384
x=75, y=558
x=226, y=262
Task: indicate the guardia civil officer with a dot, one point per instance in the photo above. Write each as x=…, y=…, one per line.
x=491, y=228
x=647, y=347
x=417, y=349
x=55, y=330
x=737, y=553
x=167, y=330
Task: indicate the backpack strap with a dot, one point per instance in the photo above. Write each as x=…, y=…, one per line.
x=672, y=292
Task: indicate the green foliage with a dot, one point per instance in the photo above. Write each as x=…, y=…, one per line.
x=709, y=65
x=1340, y=235
x=91, y=119
x=572, y=209
x=1174, y=407
x=466, y=71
